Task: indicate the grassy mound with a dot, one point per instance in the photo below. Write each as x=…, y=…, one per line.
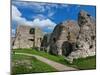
x=24, y=64
x=81, y=63
x=56, y=58
x=85, y=63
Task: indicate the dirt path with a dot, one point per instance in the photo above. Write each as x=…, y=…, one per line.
x=56, y=65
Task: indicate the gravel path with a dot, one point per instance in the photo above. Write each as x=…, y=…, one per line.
x=56, y=65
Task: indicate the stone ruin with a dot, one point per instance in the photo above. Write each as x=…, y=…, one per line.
x=86, y=40
x=45, y=42
x=25, y=39
x=62, y=38
x=73, y=39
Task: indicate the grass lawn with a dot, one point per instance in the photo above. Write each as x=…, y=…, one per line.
x=82, y=63
x=59, y=59
x=85, y=63
x=24, y=64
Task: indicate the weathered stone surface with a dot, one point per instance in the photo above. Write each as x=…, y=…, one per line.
x=87, y=37
x=45, y=42
x=74, y=40
x=24, y=39
x=12, y=41
x=62, y=38
x=38, y=37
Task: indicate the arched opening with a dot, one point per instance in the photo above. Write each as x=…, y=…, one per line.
x=32, y=31
x=68, y=37
x=54, y=39
x=91, y=46
x=67, y=48
x=93, y=37
x=40, y=39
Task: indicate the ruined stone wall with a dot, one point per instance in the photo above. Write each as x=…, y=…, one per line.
x=74, y=40
x=86, y=41
x=64, y=33
x=24, y=39
x=38, y=37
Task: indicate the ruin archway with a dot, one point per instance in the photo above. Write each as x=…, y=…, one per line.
x=67, y=48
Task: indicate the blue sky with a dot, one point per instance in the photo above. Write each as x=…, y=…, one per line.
x=45, y=15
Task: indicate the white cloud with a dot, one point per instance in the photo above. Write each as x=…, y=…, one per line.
x=78, y=6
x=65, y=5
x=51, y=14
x=16, y=16
x=39, y=7
x=15, y=12
x=42, y=23
x=36, y=7
x=13, y=31
x=39, y=16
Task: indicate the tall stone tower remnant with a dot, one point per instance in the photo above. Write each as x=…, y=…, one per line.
x=24, y=39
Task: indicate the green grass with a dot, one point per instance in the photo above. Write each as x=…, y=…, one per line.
x=56, y=58
x=85, y=63
x=22, y=64
x=82, y=63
